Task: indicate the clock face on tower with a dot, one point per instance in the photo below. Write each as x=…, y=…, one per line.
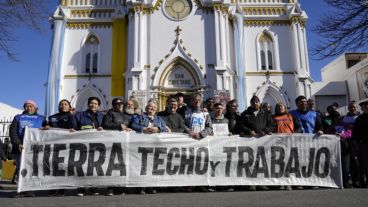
x=178, y=9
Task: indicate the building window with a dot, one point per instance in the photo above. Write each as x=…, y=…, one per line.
x=88, y=60
x=270, y=62
x=263, y=60
x=266, y=52
x=91, y=54
x=95, y=58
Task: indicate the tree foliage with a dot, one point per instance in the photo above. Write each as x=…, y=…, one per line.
x=15, y=14
x=343, y=29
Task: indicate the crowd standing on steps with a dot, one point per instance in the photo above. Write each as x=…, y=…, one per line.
x=199, y=119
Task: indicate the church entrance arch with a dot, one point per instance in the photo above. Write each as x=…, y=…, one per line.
x=177, y=77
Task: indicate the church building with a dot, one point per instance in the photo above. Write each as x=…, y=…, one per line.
x=146, y=49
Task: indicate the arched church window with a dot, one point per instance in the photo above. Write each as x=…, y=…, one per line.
x=90, y=49
x=266, y=51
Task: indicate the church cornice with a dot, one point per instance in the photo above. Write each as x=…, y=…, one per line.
x=273, y=22
x=84, y=25
x=258, y=11
x=91, y=13
x=269, y=73
x=145, y=9
x=87, y=76
x=275, y=10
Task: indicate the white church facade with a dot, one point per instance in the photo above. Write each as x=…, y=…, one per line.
x=157, y=48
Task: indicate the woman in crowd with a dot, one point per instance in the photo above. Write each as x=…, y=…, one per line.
x=148, y=123
x=344, y=132
x=285, y=123
x=62, y=120
x=31, y=119
x=90, y=119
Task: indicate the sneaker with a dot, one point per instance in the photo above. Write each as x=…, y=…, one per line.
x=110, y=193
x=299, y=188
x=282, y=187
x=94, y=191
x=315, y=188
x=80, y=194
x=288, y=187
x=154, y=191
x=142, y=192
x=229, y=190
x=211, y=190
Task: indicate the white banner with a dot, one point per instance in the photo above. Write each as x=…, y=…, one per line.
x=57, y=159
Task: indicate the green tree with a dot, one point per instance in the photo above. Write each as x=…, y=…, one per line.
x=343, y=29
x=19, y=13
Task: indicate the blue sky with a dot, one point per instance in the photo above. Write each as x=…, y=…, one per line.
x=26, y=79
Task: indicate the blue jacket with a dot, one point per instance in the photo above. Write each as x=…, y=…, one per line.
x=309, y=121
x=84, y=120
x=18, y=125
x=141, y=121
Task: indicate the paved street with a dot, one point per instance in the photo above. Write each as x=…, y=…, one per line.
x=300, y=198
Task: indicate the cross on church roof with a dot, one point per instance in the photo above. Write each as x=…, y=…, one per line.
x=177, y=30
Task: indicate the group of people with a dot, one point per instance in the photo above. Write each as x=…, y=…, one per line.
x=198, y=122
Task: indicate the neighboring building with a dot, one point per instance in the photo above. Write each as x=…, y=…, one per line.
x=7, y=114
x=345, y=79
x=156, y=48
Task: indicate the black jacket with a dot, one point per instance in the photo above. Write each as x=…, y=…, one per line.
x=233, y=119
x=174, y=121
x=114, y=119
x=249, y=122
x=181, y=111
x=61, y=120
x=360, y=130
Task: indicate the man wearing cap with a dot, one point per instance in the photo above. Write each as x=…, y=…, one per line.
x=29, y=118
x=174, y=122
x=115, y=118
x=360, y=136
